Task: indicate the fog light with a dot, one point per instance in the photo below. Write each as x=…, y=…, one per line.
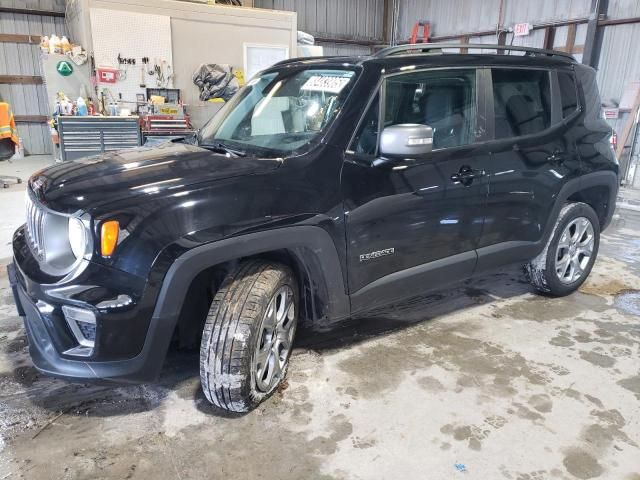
x=82, y=323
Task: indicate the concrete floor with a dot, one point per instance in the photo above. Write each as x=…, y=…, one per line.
x=484, y=381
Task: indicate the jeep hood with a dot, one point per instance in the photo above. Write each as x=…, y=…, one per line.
x=95, y=181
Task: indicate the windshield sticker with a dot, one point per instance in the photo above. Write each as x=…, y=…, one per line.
x=322, y=83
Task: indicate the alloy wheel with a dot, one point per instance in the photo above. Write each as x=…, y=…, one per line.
x=574, y=250
x=275, y=339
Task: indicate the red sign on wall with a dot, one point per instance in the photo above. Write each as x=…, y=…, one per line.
x=521, y=29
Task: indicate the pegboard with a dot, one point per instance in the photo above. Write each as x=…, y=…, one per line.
x=131, y=35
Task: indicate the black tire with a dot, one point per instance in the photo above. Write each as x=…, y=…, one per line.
x=231, y=334
x=541, y=271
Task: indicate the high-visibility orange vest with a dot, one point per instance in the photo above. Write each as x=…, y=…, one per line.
x=7, y=123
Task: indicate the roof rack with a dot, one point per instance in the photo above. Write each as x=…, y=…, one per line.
x=432, y=48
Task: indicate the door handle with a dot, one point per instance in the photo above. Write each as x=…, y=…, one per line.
x=466, y=175
x=556, y=157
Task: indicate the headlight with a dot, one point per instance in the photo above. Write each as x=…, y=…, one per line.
x=77, y=237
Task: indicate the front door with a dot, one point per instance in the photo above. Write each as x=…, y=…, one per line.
x=413, y=223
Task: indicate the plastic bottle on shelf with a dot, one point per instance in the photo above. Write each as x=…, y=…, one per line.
x=65, y=45
x=82, y=109
x=54, y=44
x=44, y=44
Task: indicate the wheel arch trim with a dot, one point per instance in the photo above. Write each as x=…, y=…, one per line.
x=604, y=178
x=311, y=246
x=305, y=242
x=500, y=254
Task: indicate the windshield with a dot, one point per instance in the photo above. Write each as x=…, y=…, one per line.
x=278, y=113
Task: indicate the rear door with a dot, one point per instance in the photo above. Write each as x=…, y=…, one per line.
x=531, y=157
x=413, y=223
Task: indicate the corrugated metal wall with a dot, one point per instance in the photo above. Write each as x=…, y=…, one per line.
x=351, y=20
x=447, y=17
x=450, y=17
x=24, y=59
x=619, y=61
x=619, y=64
x=542, y=11
x=362, y=19
x=346, y=50
x=623, y=9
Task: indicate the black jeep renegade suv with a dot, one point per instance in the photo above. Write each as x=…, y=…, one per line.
x=326, y=187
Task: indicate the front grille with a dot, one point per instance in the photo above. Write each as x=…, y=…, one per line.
x=35, y=227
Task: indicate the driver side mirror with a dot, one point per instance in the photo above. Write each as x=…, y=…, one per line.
x=406, y=139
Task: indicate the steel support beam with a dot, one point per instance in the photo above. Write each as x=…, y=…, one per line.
x=31, y=118
x=593, y=41
x=549, y=38
x=347, y=41
x=618, y=21
x=15, y=38
x=20, y=80
x=31, y=11
x=387, y=21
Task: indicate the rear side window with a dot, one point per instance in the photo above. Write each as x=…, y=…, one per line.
x=522, y=102
x=568, y=93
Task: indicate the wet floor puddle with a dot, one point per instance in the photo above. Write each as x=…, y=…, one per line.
x=629, y=302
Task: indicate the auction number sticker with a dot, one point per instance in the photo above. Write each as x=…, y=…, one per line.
x=326, y=83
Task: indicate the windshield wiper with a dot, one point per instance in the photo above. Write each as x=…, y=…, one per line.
x=221, y=147
x=189, y=138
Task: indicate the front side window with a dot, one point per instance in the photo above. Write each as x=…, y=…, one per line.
x=445, y=100
x=278, y=113
x=522, y=102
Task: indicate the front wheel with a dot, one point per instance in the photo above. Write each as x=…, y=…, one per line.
x=568, y=258
x=248, y=335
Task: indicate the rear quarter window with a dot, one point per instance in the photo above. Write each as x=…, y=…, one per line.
x=568, y=93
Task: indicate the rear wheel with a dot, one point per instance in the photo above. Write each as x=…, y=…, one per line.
x=568, y=258
x=248, y=335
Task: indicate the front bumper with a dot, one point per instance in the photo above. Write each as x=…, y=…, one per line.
x=129, y=347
